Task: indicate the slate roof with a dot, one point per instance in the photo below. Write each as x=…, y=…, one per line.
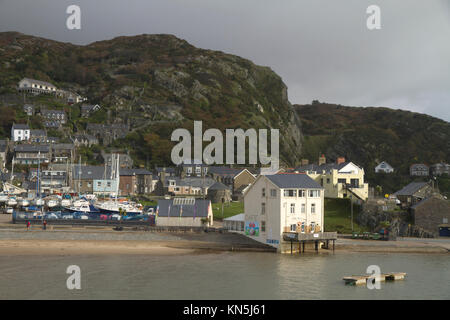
x=44, y=83
x=410, y=189
x=293, y=180
x=31, y=148
x=327, y=167
x=218, y=186
x=91, y=172
x=20, y=126
x=192, y=182
x=38, y=132
x=198, y=209
x=132, y=172
x=225, y=171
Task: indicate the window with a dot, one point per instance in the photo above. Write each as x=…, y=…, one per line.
x=172, y=183
x=189, y=170
x=444, y=220
x=198, y=170
x=290, y=193
x=301, y=193
x=292, y=207
x=273, y=192
x=328, y=180
x=342, y=181
x=314, y=193
x=263, y=192
x=313, y=208
x=108, y=184
x=99, y=184
x=263, y=208
x=263, y=226
x=303, y=208
x=293, y=227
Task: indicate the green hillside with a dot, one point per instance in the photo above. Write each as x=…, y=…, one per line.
x=370, y=135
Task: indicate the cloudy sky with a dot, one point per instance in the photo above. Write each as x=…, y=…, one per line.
x=321, y=48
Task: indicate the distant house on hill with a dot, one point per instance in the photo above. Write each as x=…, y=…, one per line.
x=384, y=167
x=29, y=109
x=38, y=136
x=54, y=117
x=107, y=133
x=87, y=109
x=36, y=86
x=84, y=139
x=440, y=169
x=419, y=170
x=20, y=132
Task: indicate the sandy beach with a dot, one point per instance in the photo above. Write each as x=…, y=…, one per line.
x=97, y=242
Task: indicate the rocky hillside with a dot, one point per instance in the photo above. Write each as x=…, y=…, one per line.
x=154, y=83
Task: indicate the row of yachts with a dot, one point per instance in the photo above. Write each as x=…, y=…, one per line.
x=81, y=204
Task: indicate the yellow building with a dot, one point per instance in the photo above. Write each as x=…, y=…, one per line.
x=340, y=179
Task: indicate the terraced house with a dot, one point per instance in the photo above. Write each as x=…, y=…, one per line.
x=340, y=179
x=32, y=154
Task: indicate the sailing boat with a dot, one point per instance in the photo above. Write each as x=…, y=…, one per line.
x=115, y=207
x=38, y=201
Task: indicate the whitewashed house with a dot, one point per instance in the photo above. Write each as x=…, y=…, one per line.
x=20, y=132
x=286, y=202
x=384, y=167
x=36, y=86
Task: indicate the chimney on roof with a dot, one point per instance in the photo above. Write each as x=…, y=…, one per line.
x=322, y=160
x=340, y=160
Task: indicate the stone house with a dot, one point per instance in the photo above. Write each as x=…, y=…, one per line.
x=54, y=118
x=38, y=136
x=430, y=213
x=219, y=193
x=414, y=193
x=135, y=181
x=105, y=133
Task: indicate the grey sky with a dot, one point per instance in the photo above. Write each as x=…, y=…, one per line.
x=321, y=48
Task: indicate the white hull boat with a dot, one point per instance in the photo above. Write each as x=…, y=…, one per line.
x=11, y=202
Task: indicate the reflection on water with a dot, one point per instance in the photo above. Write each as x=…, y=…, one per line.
x=222, y=276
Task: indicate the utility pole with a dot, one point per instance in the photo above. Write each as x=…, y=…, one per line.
x=351, y=208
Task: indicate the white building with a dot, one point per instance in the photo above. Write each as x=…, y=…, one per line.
x=279, y=203
x=36, y=86
x=20, y=132
x=384, y=167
